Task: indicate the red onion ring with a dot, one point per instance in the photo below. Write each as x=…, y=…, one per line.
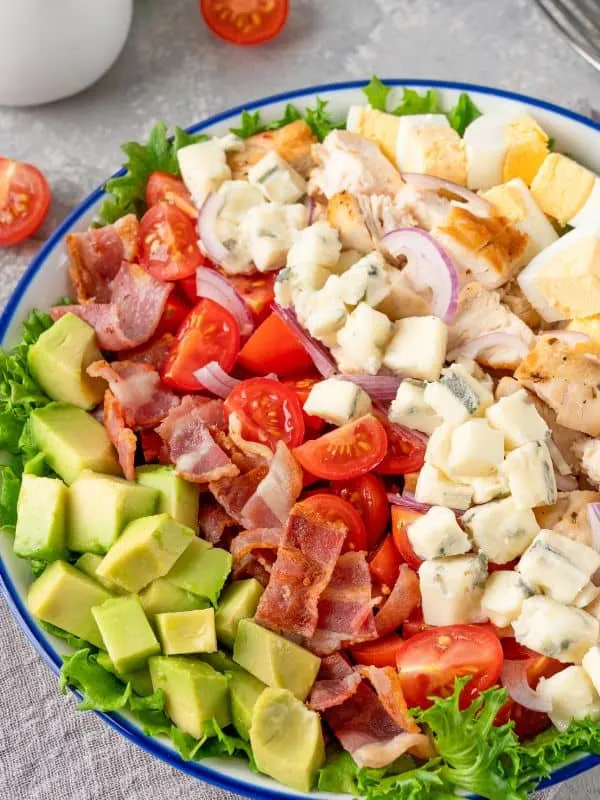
x=560, y=465
x=207, y=228
x=320, y=356
x=568, y=337
x=470, y=201
x=480, y=344
x=310, y=209
x=593, y=512
x=514, y=680
x=214, y=286
x=408, y=500
x=428, y=267
x=214, y=378
x=379, y=387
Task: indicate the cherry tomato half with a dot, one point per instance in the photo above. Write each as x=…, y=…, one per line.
x=406, y=451
x=401, y=518
x=334, y=509
x=169, y=243
x=165, y=188
x=176, y=310
x=368, y=495
x=429, y=662
x=379, y=653
x=245, y=21
x=208, y=333
x=269, y=412
x=187, y=286
x=302, y=387
x=529, y=723
x=257, y=291
x=385, y=563
x=273, y=347
x=24, y=200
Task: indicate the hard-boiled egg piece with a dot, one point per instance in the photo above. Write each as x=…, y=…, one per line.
x=428, y=145
x=376, y=125
x=562, y=189
x=589, y=326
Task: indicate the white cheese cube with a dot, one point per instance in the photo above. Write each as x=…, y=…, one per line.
x=486, y=489
x=476, y=449
x=318, y=244
x=503, y=597
x=324, y=321
x=410, y=409
x=530, y=474
x=417, y=348
x=203, y=168
x=435, y=489
x=438, y=447
x=518, y=419
x=458, y=395
x=555, y=630
x=591, y=664
x=366, y=280
x=337, y=401
x=587, y=595
x=268, y=231
x=558, y=566
x=362, y=340
x=452, y=588
x=277, y=179
x=437, y=534
x=572, y=695
x=284, y=287
x=309, y=276
x=501, y=530
x=238, y=198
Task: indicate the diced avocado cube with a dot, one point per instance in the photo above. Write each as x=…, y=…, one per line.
x=41, y=518
x=220, y=661
x=176, y=496
x=64, y=596
x=140, y=680
x=128, y=638
x=202, y=570
x=238, y=601
x=161, y=597
x=99, y=508
x=287, y=739
x=72, y=440
x=274, y=660
x=194, y=692
x=244, y=691
x=146, y=550
x=59, y=360
x=89, y=563
x=184, y=632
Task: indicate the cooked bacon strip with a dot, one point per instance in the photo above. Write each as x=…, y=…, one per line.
x=260, y=453
x=121, y=436
x=306, y=558
x=137, y=301
x=271, y=503
x=258, y=539
x=234, y=493
x=138, y=388
x=386, y=682
x=329, y=693
x=154, y=353
x=404, y=598
x=214, y=522
x=251, y=567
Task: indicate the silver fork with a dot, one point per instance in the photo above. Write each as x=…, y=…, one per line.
x=579, y=21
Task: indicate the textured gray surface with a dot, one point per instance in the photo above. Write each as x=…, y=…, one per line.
x=173, y=69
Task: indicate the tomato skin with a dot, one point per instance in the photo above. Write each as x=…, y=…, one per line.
x=334, y=508
x=251, y=25
x=152, y=446
x=368, y=495
x=401, y=518
x=24, y=200
x=529, y=723
x=384, y=564
x=258, y=292
x=406, y=451
x=268, y=410
x=302, y=387
x=165, y=188
x=176, y=310
x=169, y=243
x=379, y=653
x=187, y=286
x=208, y=333
x=273, y=347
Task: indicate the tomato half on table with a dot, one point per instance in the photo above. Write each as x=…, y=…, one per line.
x=380, y=653
x=269, y=412
x=258, y=292
x=384, y=564
x=245, y=21
x=302, y=387
x=347, y=452
x=406, y=451
x=24, y=200
x=165, y=188
x=273, y=347
x=429, y=662
x=368, y=495
x=208, y=333
x=169, y=243
x=176, y=310
x=401, y=519
x=334, y=509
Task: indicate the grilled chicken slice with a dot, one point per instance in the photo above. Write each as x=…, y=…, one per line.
x=344, y=213
x=568, y=515
x=293, y=142
x=513, y=297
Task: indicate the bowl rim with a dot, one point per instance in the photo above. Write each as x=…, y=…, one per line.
x=118, y=722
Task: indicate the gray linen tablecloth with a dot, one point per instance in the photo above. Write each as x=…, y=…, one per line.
x=173, y=69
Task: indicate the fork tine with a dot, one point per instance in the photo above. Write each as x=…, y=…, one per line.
x=581, y=29
x=581, y=22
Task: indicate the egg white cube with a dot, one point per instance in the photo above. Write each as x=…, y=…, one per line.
x=203, y=168
x=277, y=179
x=457, y=395
x=437, y=534
x=591, y=664
x=417, y=348
x=452, y=589
x=572, y=695
x=410, y=409
x=589, y=214
x=501, y=530
x=476, y=449
x=518, y=419
x=530, y=475
x=434, y=488
x=319, y=243
x=503, y=597
x=337, y=401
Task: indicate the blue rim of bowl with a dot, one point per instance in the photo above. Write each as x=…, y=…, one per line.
x=116, y=721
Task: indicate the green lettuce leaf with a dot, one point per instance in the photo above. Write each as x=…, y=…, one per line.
x=73, y=641
x=377, y=93
x=251, y=123
x=463, y=113
x=414, y=103
x=9, y=494
x=318, y=118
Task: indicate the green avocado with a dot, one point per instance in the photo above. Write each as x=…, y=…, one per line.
x=274, y=660
x=99, y=508
x=72, y=440
x=59, y=360
x=128, y=638
x=287, y=739
x=244, y=691
x=89, y=563
x=202, y=570
x=195, y=693
x=140, y=680
x=162, y=597
x=64, y=596
x=185, y=632
x=176, y=496
x=146, y=550
x=41, y=516
x=238, y=601
x=220, y=661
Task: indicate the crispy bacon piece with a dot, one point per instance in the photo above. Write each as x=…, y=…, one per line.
x=214, y=522
x=248, y=542
x=121, y=436
x=153, y=353
x=234, y=493
x=272, y=502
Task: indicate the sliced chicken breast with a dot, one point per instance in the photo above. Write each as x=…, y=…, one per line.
x=293, y=142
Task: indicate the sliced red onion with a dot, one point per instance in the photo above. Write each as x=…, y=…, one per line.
x=560, y=465
x=593, y=512
x=514, y=680
x=470, y=201
x=566, y=483
x=207, y=228
x=480, y=344
x=408, y=501
x=214, y=378
x=428, y=267
x=319, y=354
x=310, y=209
x=378, y=387
x=211, y=284
x=568, y=337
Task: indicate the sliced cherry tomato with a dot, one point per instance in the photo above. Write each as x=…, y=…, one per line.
x=347, y=452
x=334, y=509
x=401, y=518
x=415, y=624
x=384, y=564
x=165, y=188
x=513, y=651
x=245, y=21
x=258, y=292
x=429, y=662
x=187, y=287
x=302, y=387
x=380, y=653
x=152, y=446
x=274, y=348
x=368, y=495
x=269, y=412
x=24, y=200
x=529, y=723
x=208, y=333
x=499, y=567
x=176, y=310
x=406, y=451
x=169, y=248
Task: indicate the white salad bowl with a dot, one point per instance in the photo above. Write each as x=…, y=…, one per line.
x=46, y=279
